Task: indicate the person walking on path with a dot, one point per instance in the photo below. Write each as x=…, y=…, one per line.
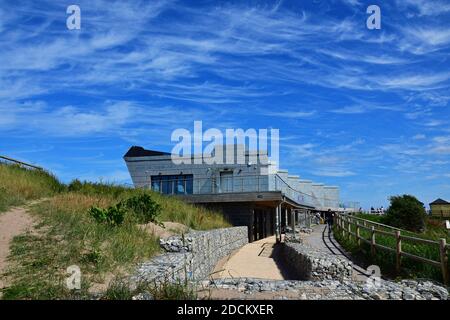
x=330, y=219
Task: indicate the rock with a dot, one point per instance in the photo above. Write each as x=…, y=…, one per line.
x=143, y=296
x=376, y=296
x=408, y=296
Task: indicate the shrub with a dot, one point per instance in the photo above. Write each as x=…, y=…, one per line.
x=113, y=215
x=75, y=185
x=406, y=212
x=141, y=206
x=144, y=208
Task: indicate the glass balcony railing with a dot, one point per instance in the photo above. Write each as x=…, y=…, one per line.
x=239, y=184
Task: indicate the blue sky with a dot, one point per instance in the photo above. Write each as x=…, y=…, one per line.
x=367, y=110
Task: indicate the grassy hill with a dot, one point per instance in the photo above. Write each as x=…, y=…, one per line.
x=18, y=185
x=66, y=234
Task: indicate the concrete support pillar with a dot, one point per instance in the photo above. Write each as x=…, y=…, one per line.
x=293, y=223
x=309, y=218
x=286, y=223
x=277, y=223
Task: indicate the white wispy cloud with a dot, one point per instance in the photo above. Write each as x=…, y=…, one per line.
x=426, y=8
x=290, y=114
x=419, y=136
x=334, y=172
x=139, y=69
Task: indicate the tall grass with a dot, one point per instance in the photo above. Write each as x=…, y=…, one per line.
x=386, y=260
x=119, y=289
x=173, y=209
x=18, y=185
x=67, y=235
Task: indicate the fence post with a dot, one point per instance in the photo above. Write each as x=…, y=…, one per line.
x=358, y=239
x=444, y=260
x=343, y=227
x=349, y=228
x=398, y=251
x=372, y=240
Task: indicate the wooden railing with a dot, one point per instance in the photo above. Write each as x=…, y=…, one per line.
x=20, y=163
x=351, y=226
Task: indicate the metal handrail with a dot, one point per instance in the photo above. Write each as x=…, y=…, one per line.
x=21, y=163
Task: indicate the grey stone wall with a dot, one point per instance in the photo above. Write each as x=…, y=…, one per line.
x=306, y=263
x=192, y=256
x=248, y=288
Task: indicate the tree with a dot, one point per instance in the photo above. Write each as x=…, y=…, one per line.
x=406, y=212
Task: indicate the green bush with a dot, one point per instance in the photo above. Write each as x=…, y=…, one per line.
x=113, y=215
x=144, y=208
x=406, y=212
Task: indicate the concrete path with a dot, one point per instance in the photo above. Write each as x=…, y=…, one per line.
x=259, y=259
x=324, y=241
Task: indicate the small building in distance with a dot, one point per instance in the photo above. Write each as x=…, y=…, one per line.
x=440, y=208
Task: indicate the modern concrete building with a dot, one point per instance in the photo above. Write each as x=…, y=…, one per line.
x=249, y=192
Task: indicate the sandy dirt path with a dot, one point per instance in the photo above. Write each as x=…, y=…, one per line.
x=12, y=223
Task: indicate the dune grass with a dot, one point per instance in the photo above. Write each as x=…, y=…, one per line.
x=173, y=209
x=67, y=235
x=18, y=185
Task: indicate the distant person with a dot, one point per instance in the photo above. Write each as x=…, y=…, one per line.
x=317, y=216
x=330, y=219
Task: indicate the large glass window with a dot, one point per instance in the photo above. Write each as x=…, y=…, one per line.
x=173, y=184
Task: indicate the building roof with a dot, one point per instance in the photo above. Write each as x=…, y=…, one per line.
x=136, y=151
x=439, y=201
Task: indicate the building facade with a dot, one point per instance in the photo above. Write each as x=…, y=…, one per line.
x=249, y=192
x=440, y=208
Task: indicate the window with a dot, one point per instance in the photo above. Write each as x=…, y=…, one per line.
x=174, y=184
x=226, y=181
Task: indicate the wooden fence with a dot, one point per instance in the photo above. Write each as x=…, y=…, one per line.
x=346, y=224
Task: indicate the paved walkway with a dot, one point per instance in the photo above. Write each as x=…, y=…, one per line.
x=258, y=259
x=261, y=259
x=324, y=241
